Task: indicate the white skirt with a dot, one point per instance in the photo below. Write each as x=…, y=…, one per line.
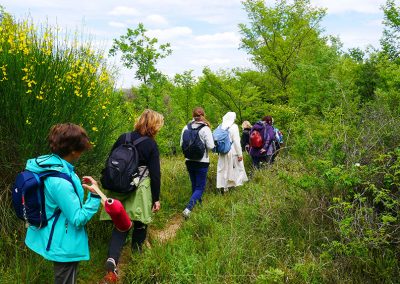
x=230, y=172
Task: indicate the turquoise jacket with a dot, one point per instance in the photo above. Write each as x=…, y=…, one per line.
x=64, y=239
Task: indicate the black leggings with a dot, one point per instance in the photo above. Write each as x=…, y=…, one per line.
x=118, y=239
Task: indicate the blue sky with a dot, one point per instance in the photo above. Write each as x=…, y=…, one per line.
x=202, y=32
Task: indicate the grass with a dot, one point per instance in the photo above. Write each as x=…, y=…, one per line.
x=274, y=229
x=263, y=232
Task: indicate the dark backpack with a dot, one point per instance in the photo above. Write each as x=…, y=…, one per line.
x=192, y=146
x=221, y=140
x=28, y=197
x=122, y=166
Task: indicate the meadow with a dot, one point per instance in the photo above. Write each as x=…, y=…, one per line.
x=326, y=212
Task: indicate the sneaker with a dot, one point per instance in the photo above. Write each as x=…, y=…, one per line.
x=226, y=189
x=186, y=213
x=111, y=265
x=111, y=277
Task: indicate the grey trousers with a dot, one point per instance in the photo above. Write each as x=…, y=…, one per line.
x=65, y=272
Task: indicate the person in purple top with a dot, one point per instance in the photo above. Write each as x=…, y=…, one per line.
x=264, y=153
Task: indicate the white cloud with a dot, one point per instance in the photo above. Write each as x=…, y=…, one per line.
x=347, y=6
x=123, y=11
x=171, y=33
x=210, y=61
x=116, y=24
x=156, y=19
x=225, y=39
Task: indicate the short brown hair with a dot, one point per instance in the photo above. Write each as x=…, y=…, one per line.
x=149, y=123
x=64, y=138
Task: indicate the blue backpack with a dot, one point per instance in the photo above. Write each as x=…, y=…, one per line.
x=192, y=146
x=221, y=140
x=28, y=197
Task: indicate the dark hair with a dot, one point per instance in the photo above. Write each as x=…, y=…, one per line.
x=268, y=119
x=64, y=138
x=199, y=115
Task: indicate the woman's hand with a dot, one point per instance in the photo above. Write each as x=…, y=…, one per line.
x=90, y=184
x=156, y=206
x=240, y=158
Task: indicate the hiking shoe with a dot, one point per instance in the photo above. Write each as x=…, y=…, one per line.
x=111, y=277
x=111, y=265
x=186, y=213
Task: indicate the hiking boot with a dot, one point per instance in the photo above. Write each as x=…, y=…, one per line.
x=186, y=213
x=111, y=267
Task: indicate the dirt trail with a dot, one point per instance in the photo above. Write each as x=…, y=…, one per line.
x=169, y=231
x=163, y=236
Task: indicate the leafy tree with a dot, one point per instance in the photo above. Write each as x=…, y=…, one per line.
x=391, y=34
x=185, y=82
x=140, y=51
x=277, y=37
x=232, y=92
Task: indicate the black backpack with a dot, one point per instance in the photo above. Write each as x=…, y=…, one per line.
x=122, y=166
x=192, y=146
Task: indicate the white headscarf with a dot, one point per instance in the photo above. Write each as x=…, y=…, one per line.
x=228, y=119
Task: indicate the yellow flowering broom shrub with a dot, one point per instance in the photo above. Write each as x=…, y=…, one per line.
x=46, y=79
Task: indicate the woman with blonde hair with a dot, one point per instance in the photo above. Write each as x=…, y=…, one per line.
x=245, y=139
x=141, y=203
x=197, y=165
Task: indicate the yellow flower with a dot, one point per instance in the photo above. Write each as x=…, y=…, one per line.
x=103, y=107
x=39, y=98
x=94, y=128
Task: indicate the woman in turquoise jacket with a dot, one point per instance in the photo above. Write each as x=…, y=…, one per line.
x=64, y=240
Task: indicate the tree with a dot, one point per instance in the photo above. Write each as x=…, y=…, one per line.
x=186, y=82
x=231, y=90
x=140, y=51
x=391, y=34
x=276, y=37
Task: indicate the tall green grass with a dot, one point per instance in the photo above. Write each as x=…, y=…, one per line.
x=263, y=232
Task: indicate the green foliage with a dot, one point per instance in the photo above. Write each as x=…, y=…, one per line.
x=140, y=51
x=44, y=78
x=277, y=37
x=391, y=33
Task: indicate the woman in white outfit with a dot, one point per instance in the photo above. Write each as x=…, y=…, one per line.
x=230, y=169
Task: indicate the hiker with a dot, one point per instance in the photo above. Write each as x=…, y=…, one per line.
x=230, y=168
x=64, y=240
x=196, y=141
x=278, y=141
x=245, y=139
x=145, y=199
x=262, y=136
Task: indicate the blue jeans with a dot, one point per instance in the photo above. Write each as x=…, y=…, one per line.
x=198, y=178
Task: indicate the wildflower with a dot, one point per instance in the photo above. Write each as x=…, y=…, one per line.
x=94, y=128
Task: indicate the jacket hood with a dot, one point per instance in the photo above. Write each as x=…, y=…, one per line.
x=47, y=162
x=228, y=119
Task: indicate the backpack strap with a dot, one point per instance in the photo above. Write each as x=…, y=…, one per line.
x=57, y=212
x=141, y=139
x=128, y=139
